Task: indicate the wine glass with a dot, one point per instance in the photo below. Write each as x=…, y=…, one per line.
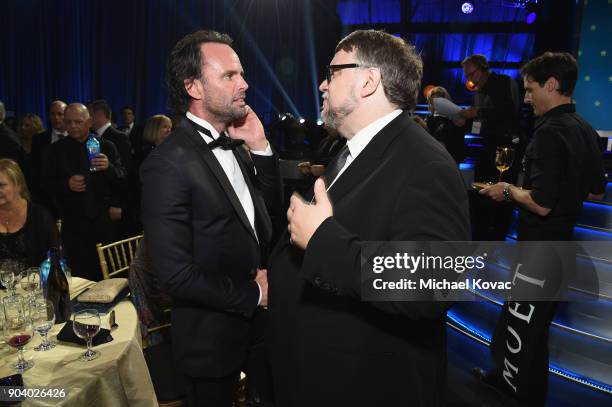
x=18, y=330
x=43, y=318
x=504, y=157
x=7, y=278
x=30, y=279
x=86, y=325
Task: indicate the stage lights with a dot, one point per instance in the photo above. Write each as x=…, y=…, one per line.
x=467, y=7
x=532, y=13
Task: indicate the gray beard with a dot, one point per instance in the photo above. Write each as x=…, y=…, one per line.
x=335, y=117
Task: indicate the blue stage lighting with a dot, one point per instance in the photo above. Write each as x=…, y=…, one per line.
x=531, y=17
x=467, y=7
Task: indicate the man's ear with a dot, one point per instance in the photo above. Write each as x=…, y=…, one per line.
x=551, y=84
x=371, y=83
x=194, y=88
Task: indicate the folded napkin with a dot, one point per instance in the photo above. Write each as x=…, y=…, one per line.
x=104, y=291
x=67, y=335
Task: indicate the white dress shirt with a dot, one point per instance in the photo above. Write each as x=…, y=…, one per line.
x=230, y=166
x=57, y=135
x=102, y=129
x=362, y=138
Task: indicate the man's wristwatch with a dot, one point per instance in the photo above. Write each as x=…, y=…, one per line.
x=507, y=196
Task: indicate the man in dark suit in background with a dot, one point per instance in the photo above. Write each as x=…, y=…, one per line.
x=133, y=130
x=56, y=130
x=41, y=142
x=392, y=182
x=83, y=196
x=205, y=218
x=121, y=211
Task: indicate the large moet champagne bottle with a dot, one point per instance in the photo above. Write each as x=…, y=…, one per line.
x=57, y=289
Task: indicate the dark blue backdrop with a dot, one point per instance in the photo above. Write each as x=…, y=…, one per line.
x=117, y=49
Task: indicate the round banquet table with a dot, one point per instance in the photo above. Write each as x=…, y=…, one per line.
x=119, y=377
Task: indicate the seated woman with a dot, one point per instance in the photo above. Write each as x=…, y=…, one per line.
x=27, y=230
x=443, y=129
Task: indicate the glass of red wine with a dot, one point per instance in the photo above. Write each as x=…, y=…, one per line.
x=30, y=279
x=18, y=330
x=86, y=325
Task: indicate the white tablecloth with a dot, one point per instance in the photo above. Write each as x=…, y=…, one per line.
x=119, y=377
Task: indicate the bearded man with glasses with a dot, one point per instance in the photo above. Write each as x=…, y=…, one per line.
x=392, y=182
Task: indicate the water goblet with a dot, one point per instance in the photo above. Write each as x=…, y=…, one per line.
x=43, y=318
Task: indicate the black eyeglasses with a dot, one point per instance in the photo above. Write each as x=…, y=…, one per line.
x=333, y=68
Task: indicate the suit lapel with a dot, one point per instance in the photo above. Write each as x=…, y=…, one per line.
x=262, y=218
x=213, y=164
x=367, y=161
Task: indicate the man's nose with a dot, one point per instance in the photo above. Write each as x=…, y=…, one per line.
x=323, y=86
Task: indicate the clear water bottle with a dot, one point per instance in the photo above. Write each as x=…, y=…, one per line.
x=93, y=149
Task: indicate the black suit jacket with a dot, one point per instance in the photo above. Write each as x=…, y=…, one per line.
x=122, y=142
x=329, y=348
x=40, y=144
x=203, y=248
x=68, y=157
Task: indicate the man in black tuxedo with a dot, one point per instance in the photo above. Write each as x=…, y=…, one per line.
x=121, y=211
x=392, y=182
x=204, y=214
x=40, y=144
x=133, y=130
x=56, y=130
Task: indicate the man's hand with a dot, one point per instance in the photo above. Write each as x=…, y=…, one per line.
x=100, y=163
x=304, y=219
x=250, y=130
x=317, y=170
x=304, y=167
x=469, y=113
x=262, y=280
x=114, y=213
x=76, y=183
x=495, y=191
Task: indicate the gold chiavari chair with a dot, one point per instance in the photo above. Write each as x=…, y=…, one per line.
x=115, y=258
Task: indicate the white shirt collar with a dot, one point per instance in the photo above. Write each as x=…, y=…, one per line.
x=102, y=129
x=205, y=124
x=361, y=139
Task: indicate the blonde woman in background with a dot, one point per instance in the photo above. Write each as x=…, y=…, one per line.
x=27, y=230
x=29, y=126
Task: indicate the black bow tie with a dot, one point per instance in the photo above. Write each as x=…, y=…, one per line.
x=224, y=142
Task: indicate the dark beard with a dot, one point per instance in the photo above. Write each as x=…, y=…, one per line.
x=230, y=114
